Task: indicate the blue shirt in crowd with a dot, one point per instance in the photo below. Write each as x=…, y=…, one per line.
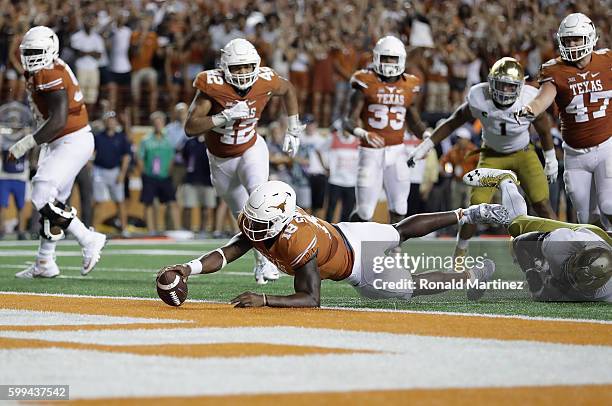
x=196, y=163
x=111, y=149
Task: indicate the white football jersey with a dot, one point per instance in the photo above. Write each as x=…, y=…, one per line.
x=500, y=130
x=559, y=246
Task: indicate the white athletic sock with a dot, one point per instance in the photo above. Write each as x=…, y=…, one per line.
x=78, y=229
x=259, y=258
x=461, y=243
x=46, y=250
x=512, y=199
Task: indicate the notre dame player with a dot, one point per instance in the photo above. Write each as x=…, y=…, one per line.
x=561, y=261
x=506, y=141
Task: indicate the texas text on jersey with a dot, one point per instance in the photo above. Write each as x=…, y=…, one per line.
x=304, y=237
x=236, y=136
x=583, y=97
x=59, y=76
x=385, y=105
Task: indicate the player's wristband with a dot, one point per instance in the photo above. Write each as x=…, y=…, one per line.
x=550, y=155
x=195, y=266
x=219, y=119
x=360, y=132
x=220, y=251
x=293, y=122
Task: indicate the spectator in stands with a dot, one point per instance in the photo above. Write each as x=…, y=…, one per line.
x=345, y=63
x=314, y=146
x=14, y=73
x=458, y=161
x=322, y=76
x=89, y=47
x=16, y=121
x=118, y=42
x=343, y=157
x=155, y=160
x=299, y=65
x=111, y=163
x=143, y=47
x=198, y=191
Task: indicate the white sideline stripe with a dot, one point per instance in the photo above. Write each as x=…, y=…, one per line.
x=11, y=317
x=103, y=269
x=432, y=312
x=413, y=362
x=106, y=253
x=111, y=243
x=218, y=242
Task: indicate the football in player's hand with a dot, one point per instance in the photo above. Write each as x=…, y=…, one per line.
x=172, y=288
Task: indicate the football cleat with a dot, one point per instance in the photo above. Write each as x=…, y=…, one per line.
x=460, y=252
x=91, y=252
x=265, y=272
x=480, y=274
x=485, y=213
x=488, y=177
x=48, y=269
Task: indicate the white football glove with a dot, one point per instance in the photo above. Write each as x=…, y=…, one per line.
x=238, y=111
x=525, y=112
x=420, y=152
x=551, y=166
x=291, y=144
x=22, y=146
x=372, y=139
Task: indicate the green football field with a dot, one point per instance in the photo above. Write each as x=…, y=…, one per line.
x=128, y=269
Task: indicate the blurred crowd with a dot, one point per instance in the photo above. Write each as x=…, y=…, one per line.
x=136, y=60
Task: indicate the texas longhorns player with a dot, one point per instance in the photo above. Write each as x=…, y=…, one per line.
x=580, y=82
x=381, y=100
x=67, y=144
x=311, y=249
x=226, y=108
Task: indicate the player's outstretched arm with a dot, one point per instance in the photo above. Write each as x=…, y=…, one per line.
x=295, y=129
x=215, y=260
x=459, y=117
x=307, y=285
x=58, y=114
x=543, y=100
x=551, y=167
x=289, y=96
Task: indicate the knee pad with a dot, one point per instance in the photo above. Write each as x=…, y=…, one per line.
x=54, y=219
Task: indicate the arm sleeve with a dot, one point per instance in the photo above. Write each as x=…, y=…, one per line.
x=301, y=247
x=200, y=82
x=48, y=80
x=358, y=81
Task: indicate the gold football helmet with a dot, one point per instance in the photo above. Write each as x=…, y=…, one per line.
x=589, y=269
x=506, y=79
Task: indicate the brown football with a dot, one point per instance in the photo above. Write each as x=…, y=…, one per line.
x=172, y=288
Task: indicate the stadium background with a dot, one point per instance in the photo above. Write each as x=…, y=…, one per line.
x=316, y=44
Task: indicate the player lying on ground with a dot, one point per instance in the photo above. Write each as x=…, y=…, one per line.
x=506, y=140
x=561, y=261
x=311, y=249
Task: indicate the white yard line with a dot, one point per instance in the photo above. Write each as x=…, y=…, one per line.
x=495, y=316
x=399, y=361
